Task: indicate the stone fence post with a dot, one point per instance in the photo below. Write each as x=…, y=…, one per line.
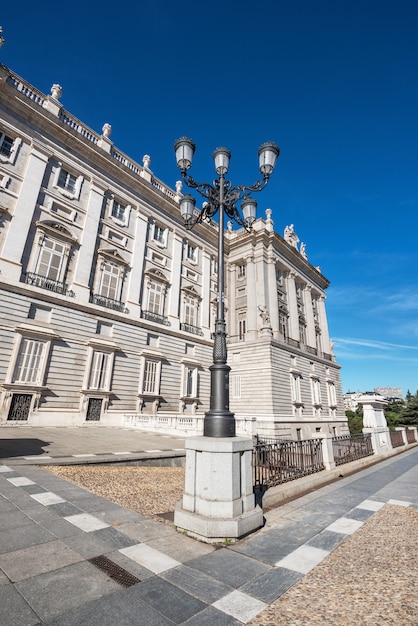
x=327, y=449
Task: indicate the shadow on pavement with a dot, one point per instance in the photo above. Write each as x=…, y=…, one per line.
x=22, y=447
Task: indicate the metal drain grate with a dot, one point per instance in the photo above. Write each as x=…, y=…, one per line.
x=117, y=573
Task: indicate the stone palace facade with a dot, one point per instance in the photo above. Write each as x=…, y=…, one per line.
x=108, y=303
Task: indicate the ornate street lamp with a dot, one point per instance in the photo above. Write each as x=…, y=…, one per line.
x=222, y=197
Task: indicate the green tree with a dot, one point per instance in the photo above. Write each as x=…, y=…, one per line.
x=393, y=412
x=409, y=414
x=355, y=420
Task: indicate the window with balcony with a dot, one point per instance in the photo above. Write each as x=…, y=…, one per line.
x=190, y=314
x=241, y=270
x=109, y=281
x=51, y=261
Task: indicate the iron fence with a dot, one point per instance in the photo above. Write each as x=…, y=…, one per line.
x=396, y=438
x=282, y=461
x=410, y=435
x=351, y=448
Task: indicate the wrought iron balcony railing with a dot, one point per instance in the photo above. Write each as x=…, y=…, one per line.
x=46, y=283
x=155, y=317
x=189, y=328
x=115, y=305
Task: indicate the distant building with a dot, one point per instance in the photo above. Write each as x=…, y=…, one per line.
x=390, y=393
x=108, y=303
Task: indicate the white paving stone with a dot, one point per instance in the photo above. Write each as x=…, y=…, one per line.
x=40, y=457
x=148, y=557
x=240, y=606
x=86, y=522
x=4, y=468
x=121, y=452
x=47, y=497
x=399, y=502
x=303, y=559
x=370, y=505
x=79, y=456
x=345, y=526
x=19, y=481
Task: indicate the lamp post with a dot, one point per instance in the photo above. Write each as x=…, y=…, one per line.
x=221, y=197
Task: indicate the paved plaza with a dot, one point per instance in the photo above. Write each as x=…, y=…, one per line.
x=69, y=557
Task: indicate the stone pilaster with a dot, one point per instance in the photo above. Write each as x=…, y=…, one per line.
x=88, y=244
x=252, y=314
x=137, y=270
x=20, y=225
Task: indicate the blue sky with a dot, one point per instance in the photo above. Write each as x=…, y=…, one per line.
x=334, y=84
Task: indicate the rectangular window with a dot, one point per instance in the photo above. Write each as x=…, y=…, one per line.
x=6, y=144
x=155, y=298
x=160, y=235
x=191, y=253
x=242, y=328
x=241, y=271
x=295, y=384
x=118, y=211
x=332, y=395
x=51, y=260
x=190, y=382
x=236, y=386
x=151, y=372
x=67, y=181
x=99, y=371
x=316, y=392
x=190, y=311
x=283, y=322
x=30, y=360
x=110, y=281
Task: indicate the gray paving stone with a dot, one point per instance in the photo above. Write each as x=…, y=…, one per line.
x=113, y=538
x=272, y=584
x=64, y=509
x=268, y=547
x=13, y=518
x=327, y=540
x=14, y=609
x=56, y=592
x=86, y=544
x=229, y=567
x=212, y=617
x=196, y=583
x=54, y=524
x=32, y=489
x=179, y=547
x=145, y=530
x=121, y=608
x=359, y=514
x=172, y=602
x=38, y=559
x=6, y=505
x=12, y=539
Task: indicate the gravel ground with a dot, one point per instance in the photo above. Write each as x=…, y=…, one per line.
x=371, y=579
x=151, y=491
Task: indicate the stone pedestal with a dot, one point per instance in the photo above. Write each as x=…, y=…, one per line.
x=218, y=504
x=374, y=422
